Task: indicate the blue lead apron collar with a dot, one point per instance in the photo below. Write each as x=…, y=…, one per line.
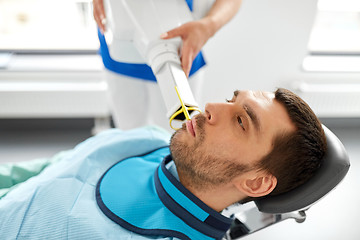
x=177, y=199
x=141, y=195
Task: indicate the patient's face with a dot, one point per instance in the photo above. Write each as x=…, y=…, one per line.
x=229, y=137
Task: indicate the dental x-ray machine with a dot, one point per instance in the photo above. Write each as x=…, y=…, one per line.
x=132, y=34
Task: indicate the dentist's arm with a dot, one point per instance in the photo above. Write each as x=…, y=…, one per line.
x=196, y=33
x=99, y=14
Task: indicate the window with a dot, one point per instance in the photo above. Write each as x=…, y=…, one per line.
x=334, y=43
x=47, y=25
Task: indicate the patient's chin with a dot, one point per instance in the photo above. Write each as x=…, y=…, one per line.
x=178, y=146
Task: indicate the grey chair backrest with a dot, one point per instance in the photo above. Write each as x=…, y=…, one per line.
x=334, y=168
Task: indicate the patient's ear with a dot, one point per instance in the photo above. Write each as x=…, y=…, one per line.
x=256, y=183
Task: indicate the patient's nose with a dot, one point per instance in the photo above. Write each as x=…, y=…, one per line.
x=213, y=112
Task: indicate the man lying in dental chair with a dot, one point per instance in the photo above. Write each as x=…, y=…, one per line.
x=134, y=185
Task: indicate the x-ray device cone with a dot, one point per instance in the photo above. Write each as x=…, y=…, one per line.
x=133, y=30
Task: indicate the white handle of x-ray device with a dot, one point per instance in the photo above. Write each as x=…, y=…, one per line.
x=165, y=63
x=163, y=52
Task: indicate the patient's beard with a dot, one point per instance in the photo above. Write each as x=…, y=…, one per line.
x=197, y=168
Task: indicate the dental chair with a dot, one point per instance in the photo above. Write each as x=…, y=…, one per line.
x=295, y=203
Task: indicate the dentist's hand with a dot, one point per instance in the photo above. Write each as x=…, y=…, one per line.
x=99, y=14
x=194, y=35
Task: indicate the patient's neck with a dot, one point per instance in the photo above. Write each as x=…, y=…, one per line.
x=217, y=197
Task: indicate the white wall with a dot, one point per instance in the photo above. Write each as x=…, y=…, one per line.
x=264, y=44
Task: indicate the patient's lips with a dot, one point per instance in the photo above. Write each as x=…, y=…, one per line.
x=190, y=126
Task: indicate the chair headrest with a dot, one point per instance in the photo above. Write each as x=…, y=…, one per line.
x=334, y=168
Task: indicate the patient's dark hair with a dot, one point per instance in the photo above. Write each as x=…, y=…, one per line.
x=296, y=155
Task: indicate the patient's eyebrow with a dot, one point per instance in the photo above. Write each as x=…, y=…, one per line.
x=253, y=116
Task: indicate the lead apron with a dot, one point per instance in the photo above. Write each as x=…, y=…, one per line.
x=141, y=195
